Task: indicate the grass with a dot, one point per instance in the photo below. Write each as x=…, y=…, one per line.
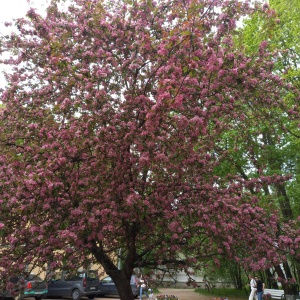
x=224, y=293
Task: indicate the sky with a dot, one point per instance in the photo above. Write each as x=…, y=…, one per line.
x=12, y=9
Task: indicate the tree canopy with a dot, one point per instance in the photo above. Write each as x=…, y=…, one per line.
x=113, y=139
x=278, y=151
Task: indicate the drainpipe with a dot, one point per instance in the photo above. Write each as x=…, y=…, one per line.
x=119, y=259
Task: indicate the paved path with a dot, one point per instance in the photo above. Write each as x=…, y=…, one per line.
x=188, y=294
x=182, y=294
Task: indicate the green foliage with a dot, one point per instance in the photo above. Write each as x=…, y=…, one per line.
x=279, y=25
x=273, y=151
x=223, y=292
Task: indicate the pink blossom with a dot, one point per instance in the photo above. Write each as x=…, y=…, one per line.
x=263, y=45
x=127, y=135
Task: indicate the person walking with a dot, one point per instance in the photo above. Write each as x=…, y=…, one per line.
x=143, y=287
x=252, y=287
x=260, y=286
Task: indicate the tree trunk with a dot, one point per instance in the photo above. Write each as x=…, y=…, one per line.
x=237, y=277
x=284, y=203
x=287, y=290
x=287, y=270
x=122, y=282
x=279, y=271
x=271, y=283
x=122, y=277
x=293, y=290
x=297, y=269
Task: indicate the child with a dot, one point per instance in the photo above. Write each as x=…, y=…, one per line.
x=150, y=294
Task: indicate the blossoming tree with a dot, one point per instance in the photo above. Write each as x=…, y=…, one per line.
x=112, y=122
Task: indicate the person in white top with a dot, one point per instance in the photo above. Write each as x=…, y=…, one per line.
x=143, y=287
x=252, y=295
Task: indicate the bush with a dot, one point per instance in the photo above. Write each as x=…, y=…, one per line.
x=267, y=296
x=167, y=297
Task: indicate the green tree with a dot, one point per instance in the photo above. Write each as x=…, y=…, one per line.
x=275, y=150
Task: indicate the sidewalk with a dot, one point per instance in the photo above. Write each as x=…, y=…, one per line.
x=182, y=294
x=187, y=294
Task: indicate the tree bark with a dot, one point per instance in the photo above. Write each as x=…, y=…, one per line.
x=122, y=282
x=121, y=278
x=271, y=283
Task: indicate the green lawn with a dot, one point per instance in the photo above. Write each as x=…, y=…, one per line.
x=224, y=293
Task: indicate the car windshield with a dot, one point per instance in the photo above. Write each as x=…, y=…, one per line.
x=92, y=275
x=107, y=280
x=72, y=276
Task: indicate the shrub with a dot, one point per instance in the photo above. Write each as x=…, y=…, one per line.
x=166, y=297
x=267, y=296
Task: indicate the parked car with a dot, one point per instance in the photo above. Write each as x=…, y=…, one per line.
x=108, y=287
x=30, y=287
x=67, y=285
